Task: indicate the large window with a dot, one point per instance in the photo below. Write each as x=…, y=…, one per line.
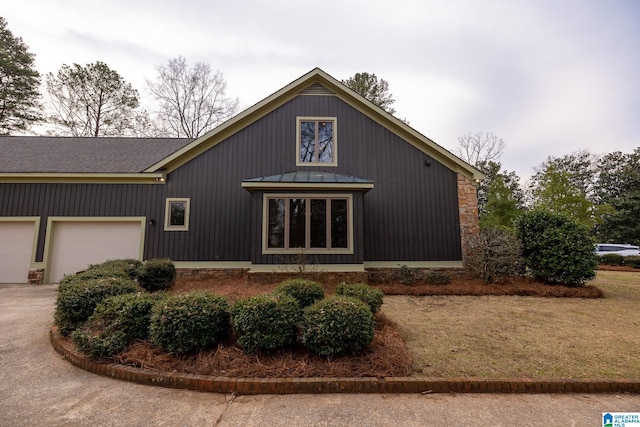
x=317, y=223
x=316, y=141
x=176, y=216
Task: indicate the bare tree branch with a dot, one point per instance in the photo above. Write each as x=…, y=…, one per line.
x=191, y=101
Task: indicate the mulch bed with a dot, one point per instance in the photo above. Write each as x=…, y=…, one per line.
x=387, y=356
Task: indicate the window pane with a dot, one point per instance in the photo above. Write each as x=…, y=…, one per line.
x=325, y=142
x=297, y=222
x=318, y=223
x=276, y=223
x=308, y=141
x=177, y=213
x=339, y=223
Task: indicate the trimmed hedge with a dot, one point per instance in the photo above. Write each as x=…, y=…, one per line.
x=632, y=261
x=115, y=323
x=266, y=322
x=78, y=297
x=612, y=259
x=189, y=323
x=156, y=274
x=365, y=293
x=305, y=291
x=337, y=325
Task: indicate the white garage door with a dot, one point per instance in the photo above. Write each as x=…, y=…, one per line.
x=16, y=250
x=78, y=244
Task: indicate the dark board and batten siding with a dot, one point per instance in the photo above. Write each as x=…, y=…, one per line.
x=411, y=214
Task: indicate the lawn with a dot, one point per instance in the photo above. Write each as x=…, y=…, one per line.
x=524, y=337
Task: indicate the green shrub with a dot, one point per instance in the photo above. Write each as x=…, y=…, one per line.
x=115, y=323
x=266, y=322
x=632, y=261
x=306, y=292
x=437, y=278
x=365, y=293
x=101, y=346
x=78, y=297
x=557, y=249
x=190, y=322
x=612, y=259
x=156, y=274
x=128, y=266
x=97, y=271
x=337, y=325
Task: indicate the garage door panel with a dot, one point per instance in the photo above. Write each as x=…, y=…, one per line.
x=16, y=250
x=79, y=244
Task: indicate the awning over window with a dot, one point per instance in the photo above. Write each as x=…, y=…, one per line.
x=308, y=180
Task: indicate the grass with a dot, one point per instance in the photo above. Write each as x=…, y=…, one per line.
x=524, y=337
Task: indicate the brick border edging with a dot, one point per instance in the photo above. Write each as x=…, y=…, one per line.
x=208, y=383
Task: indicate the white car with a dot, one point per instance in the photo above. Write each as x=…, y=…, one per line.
x=616, y=248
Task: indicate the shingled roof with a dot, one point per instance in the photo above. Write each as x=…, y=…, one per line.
x=35, y=154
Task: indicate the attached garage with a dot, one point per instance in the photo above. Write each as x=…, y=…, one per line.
x=17, y=243
x=76, y=243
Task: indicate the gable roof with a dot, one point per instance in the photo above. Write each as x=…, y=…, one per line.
x=314, y=82
x=32, y=154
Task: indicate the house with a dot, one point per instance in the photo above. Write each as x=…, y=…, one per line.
x=314, y=170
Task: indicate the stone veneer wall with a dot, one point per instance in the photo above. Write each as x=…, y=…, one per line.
x=468, y=208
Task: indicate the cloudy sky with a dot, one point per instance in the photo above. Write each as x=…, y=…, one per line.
x=549, y=77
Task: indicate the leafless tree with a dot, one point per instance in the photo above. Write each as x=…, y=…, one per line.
x=480, y=148
x=191, y=101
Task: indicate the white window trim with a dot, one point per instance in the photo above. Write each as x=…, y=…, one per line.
x=312, y=251
x=334, y=120
x=167, y=214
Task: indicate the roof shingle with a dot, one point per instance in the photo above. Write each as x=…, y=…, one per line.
x=37, y=154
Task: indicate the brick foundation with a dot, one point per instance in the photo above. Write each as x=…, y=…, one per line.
x=213, y=273
x=36, y=276
x=327, y=278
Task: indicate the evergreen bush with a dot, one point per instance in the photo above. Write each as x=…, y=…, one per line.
x=365, y=293
x=337, y=325
x=305, y=291
x=612, y=259
x=78, y=297
x=187, y=323
x=557, y=249
x=115, y=323
x=156, y=274
x=266, y=322
x=632, y=261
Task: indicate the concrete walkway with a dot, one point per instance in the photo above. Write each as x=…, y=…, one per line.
x=38, y=387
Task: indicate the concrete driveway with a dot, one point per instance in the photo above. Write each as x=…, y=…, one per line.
x=38, y=387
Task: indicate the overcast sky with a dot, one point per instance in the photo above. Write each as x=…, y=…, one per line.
x=549, y=77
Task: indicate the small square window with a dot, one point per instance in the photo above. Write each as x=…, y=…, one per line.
x=316, y=141
x=176, y=217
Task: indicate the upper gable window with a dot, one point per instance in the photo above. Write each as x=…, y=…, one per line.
x=316, y=141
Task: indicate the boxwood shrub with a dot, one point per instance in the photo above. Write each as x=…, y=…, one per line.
x=266, y=322
x=632, y=261
x=115, y=323
x=78, y=297
x=337, y=325
x=365, y=293
x=305, y=291
x=187, y=323
x=156, y=274
x=612, y=259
